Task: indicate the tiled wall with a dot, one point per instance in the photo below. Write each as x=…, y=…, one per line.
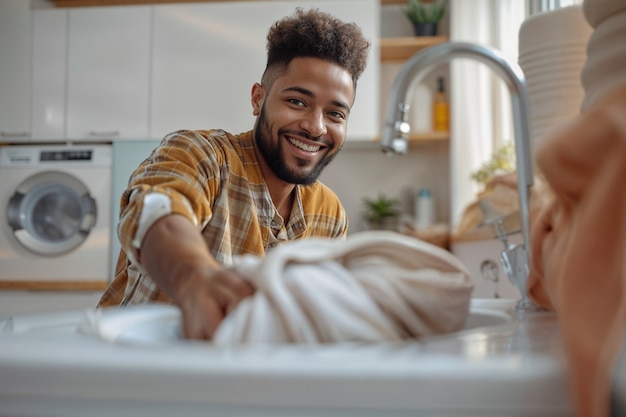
x=363, y=170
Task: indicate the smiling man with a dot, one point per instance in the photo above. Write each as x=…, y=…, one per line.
x=204, y=197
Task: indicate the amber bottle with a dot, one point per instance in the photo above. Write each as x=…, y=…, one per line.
x=440, y=108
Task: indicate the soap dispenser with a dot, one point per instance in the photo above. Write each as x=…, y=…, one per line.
x=424, y=209
x=440, y=108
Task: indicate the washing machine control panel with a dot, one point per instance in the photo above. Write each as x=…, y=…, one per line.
x=19, y=156
x=78, y=155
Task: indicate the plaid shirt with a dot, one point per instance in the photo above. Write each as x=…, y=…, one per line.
x=214, y=179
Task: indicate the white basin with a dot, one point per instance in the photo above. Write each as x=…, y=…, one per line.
x=159, y=324
x=489, y=312
x=500, y=364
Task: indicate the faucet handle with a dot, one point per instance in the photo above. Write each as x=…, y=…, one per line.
x=514, y=262
x=514, y=257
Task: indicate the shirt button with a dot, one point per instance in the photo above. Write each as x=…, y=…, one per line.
x=273, y=223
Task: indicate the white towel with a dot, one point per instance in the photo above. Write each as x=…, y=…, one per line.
x=374, y=286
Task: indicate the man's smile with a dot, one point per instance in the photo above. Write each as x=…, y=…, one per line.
x=304, y=146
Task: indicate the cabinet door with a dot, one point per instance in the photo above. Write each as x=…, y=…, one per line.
x=108, y=72
x=207, y=57
x=15, y=64
x=364, y=117
x=49, y=74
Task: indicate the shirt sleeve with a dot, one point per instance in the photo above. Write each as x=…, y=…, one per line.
x=181, y=176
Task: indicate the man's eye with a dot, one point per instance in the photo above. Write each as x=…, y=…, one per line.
x=296, y=101
x=337, y=115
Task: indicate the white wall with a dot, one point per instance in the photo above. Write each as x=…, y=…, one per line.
x=360, y=171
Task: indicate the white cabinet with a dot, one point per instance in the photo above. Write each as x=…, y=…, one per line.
x=90, y=73
x=137, y=72
x=108, y=72
x=49, y=81
x=15, y=65
x=207, y=57
x=364, y=120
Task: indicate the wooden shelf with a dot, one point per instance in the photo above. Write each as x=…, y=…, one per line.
x=88, y=3
x=54, y=285
x=426, y=137
x=429, y=137
x=401, y=49
x=403, y=2
x=99, y=3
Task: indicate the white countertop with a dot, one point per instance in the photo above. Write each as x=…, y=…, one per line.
x=512, y=369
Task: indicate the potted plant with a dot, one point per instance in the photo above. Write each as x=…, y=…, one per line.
x=502, y=162
x=381, y=212
x=425, y=15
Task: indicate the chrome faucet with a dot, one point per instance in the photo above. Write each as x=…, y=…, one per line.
x=515, y=258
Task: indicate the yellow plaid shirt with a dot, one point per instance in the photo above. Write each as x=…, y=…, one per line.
x=213, y=178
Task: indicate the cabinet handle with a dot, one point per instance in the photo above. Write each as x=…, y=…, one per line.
x=13, y=134
x=109, y=133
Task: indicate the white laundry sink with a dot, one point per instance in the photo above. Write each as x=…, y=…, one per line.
x=489, y=312
x=501, y=364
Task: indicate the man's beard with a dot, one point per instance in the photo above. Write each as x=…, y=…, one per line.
x=274, y=156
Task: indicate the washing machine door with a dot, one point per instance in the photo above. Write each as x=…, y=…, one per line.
x=51, y=213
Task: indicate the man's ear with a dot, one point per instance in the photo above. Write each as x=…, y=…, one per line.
x=256, y=98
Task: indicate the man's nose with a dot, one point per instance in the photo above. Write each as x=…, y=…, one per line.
x=315, y=124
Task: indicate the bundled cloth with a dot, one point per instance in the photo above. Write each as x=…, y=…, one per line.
x=374, y=286
x=577, y=259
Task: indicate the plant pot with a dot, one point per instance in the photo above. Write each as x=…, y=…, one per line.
x=387, y=223
x=425, y=29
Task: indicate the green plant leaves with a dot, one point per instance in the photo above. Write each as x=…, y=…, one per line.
x=380, y=208
x=502, y=162
x=418, y=12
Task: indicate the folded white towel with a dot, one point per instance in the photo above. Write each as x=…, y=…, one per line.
x=374, y=286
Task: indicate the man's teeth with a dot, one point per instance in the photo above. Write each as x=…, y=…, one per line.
x=304, y=146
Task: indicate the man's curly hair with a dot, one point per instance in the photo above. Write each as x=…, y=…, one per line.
x=316, y=34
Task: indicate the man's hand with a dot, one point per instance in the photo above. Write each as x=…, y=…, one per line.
x=205, y=301
x=177, y=258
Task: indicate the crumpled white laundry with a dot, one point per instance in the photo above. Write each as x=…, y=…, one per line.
x=374, y=286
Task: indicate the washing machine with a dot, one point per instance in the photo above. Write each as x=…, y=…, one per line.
x=55, y=209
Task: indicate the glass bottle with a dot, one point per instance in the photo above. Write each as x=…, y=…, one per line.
x=440, y=108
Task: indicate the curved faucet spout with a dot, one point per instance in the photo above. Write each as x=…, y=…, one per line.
x=396, y=129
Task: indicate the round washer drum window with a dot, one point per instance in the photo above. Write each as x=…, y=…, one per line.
x=51, y=213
